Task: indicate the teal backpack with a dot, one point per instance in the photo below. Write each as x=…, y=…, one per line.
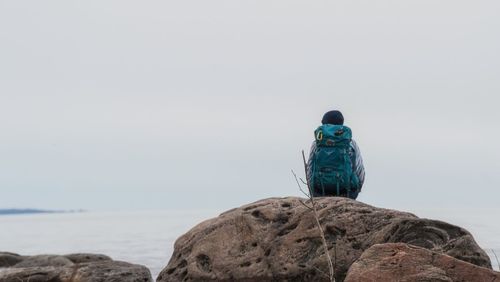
x=332, y=171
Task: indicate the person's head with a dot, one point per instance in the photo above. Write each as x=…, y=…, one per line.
x=333, y=117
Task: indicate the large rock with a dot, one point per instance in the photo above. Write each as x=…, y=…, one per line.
x=405, y=263
x=9, y=259
x=31, y=274
x=43, y=260
x=82, y=257
x=106, y=271
x=277, y=239
x=71, y=268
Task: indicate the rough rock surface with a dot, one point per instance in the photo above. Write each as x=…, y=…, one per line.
x=9, y=259
x=70, y=268
x=43, y=260
x=405, y=263
x=107, y=271
x=80, y=258
x=277, y=239
x=31, y=274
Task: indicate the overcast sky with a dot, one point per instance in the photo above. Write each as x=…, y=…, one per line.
x=110, y=105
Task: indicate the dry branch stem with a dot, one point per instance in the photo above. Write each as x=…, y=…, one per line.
x=304, y=204
x=316, y=217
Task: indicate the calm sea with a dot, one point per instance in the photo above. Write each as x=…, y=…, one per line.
x=148, y=238
x=145, y=238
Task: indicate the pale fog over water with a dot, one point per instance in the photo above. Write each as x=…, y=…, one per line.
x=145, y=238
x=148, y=237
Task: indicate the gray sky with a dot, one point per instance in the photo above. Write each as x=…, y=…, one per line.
x=207, y=104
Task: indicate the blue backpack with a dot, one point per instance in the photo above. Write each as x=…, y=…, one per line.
x=332, y=169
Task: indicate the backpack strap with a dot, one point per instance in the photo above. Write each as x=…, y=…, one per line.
x=338, y=186
x=348, y=167
x=320, y=181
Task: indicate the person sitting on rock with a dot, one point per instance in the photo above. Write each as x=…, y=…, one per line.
x=335, y=166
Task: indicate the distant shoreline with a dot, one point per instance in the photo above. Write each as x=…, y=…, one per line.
x=34, y=211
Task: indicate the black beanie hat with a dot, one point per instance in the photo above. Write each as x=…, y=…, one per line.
x=333, y=117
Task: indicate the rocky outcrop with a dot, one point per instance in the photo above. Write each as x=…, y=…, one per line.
x=43, y=260
x=277, y=239
x=108, y=271
x=80, y=258
x=9, y=259
x=32, y=274
x=69, y=268
x=406, y=263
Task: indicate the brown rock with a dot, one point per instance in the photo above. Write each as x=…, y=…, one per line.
x=433, y=235
x=9, y=259
x=96, y=271
x=81, y=258
x=106, y=271
x=43, y=260
x=31, y=274
x=277, y=239
x=406, y=263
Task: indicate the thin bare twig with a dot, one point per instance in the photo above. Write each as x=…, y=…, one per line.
x=304, y=204
x=321, y=271
x=304, y=192
x=296, y=179
x=298, y=184
x=303, y=181
x=316, y=217
x=301, y=190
